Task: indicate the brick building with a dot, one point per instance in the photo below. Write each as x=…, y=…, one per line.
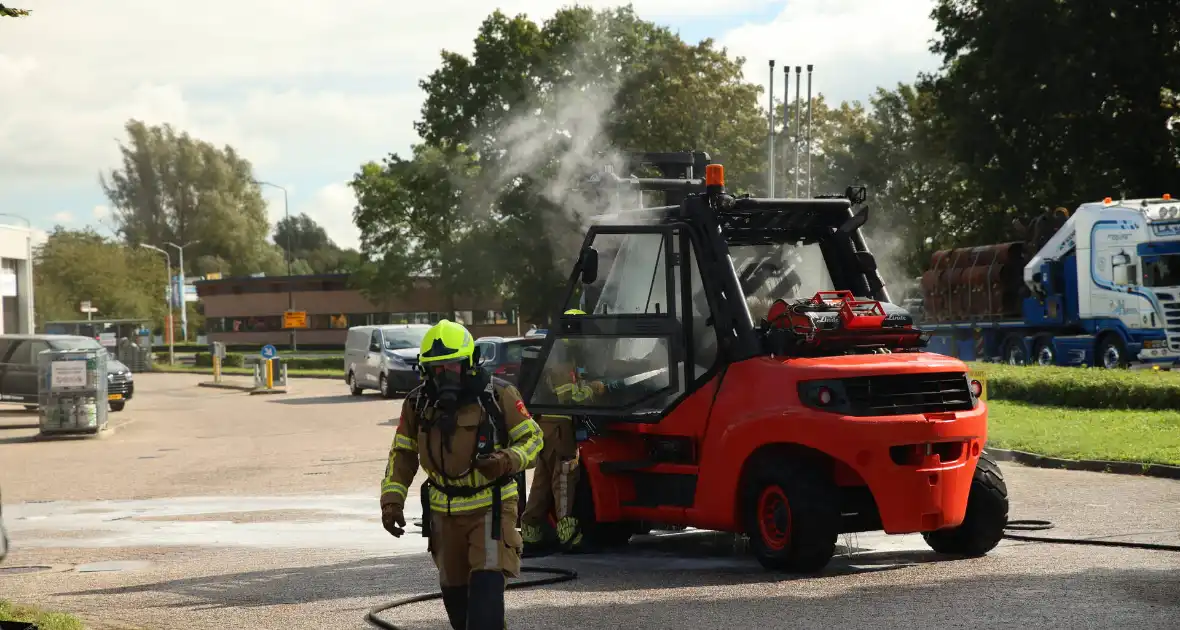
x=248, y=311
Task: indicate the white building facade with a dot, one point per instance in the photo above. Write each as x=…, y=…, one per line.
x=16, y=280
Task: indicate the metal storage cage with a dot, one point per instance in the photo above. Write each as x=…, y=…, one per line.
x=72, y=390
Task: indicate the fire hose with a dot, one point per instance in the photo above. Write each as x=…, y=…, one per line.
x=566, y=575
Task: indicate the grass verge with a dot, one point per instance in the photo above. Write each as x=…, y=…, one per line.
x=1136, y=435
x=234, y=371
x=1082, y=388
x=42, y=619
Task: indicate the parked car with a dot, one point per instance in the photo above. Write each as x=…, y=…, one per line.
x=502, y=355
x=384, y=358
x=18, y=368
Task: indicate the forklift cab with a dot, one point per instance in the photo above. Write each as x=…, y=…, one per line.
x=671, y=293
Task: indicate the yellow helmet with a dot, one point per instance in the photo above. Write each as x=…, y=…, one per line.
x=574, y=311
x=446, y=342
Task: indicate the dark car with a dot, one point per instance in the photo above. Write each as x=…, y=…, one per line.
x=18, y=368
x=502, y=355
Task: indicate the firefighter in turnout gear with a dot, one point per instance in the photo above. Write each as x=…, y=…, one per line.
x=471, y=434
x=557, y=474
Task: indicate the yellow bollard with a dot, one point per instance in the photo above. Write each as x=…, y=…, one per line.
x=270, y=374
x=216, y=369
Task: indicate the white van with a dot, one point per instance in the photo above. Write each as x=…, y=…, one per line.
x=384, y=358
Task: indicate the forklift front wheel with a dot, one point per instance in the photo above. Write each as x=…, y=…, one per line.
x=987, y=515
x=791, y=518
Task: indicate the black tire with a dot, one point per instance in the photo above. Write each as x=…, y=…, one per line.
x=1014, y=353
x=597, y=535
x=1111, y=353
x=791, y=515
x=353, y=388
x=987, y=515
x=32, y=407
x=1043, y=352
x=118, y=406
x=383, y=384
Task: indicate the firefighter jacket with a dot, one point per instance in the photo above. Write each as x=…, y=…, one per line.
x=452, y=466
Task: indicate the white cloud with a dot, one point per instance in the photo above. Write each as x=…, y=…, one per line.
x=308, y=90
x=855, y=45
x=64, y=217
x=101, y=212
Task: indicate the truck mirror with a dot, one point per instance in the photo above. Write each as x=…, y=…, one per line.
x=589, y=265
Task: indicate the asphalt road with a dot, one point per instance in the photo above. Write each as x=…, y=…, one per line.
x=209, y=508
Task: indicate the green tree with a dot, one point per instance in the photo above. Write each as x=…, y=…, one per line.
x=312, y=251
x=415, y=223
x=1054, y=103
x=175, y=188
x=9, y=12
x=530, y=113
x=74, y=266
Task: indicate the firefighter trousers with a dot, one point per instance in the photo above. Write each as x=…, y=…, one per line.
x=556, y=474
x=462, y=543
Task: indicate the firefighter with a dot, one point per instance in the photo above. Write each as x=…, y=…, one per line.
x=471, y=434
x=557, y=472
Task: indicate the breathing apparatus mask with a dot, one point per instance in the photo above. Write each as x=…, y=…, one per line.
x=453, y=384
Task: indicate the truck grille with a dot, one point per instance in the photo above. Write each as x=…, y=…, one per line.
x=118, y=384
x=1171, y=319
x=896, y=395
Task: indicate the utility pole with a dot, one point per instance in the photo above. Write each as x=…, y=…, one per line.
x=809, y=108
x=169, y=328
x=180, y=289
x=770, y=138
x=290, y=280
x=798, y=122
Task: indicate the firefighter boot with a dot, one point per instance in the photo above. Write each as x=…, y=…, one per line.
x=455, y=601
x=537, y=540
x=486, y=601
x=569, y=533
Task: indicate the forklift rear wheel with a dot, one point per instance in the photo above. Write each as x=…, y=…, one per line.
x=791, y=518
x=987, y=515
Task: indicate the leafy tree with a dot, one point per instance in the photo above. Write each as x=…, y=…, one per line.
x=175, y=188
x=1043, y=114
x=513, y=129
x=9, y=12
x=73, y=266
x=312, y=251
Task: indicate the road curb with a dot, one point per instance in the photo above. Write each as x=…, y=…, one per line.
x=210, y=373
x=1141, y=469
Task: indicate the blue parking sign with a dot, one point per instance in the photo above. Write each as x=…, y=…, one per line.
x=269, y=352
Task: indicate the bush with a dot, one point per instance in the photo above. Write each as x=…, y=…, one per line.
x=1082, y=387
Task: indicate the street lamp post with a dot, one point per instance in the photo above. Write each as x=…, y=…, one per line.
x=183, y=308
x=290, y=281
x=31, y=310
x=168, y=329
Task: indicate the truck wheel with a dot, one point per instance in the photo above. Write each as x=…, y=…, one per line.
x=353, y=388
x=987, y=515
x=1014, y=352
x=792, y=518
x=1043, y=353
x=1111, y=354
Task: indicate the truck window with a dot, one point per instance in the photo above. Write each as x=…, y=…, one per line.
x=1163, y=271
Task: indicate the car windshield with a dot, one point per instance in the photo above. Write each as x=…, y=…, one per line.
x=403, y=338
x=76, y=343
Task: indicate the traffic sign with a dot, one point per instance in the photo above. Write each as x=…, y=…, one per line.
x=295, y=319
x=269, y=352
x=87, y=308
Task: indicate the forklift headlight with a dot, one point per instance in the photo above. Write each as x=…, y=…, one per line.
x=976, y=389
x=824, y=395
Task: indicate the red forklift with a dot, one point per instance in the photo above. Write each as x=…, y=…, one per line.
x=759, y=379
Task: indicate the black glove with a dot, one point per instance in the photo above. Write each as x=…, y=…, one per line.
x=393, y=520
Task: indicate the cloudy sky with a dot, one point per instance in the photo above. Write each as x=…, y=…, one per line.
x=310, y=90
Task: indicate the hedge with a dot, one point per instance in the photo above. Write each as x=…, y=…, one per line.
x=238, y=359
x=1082, y=387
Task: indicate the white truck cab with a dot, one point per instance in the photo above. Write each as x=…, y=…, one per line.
x=1122, y=258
